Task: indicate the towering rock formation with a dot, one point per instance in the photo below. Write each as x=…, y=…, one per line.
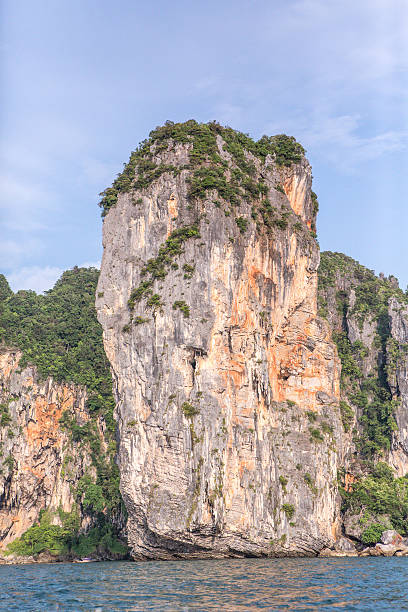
x=226, y=380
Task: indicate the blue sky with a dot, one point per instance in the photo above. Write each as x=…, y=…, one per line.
x=85, y=81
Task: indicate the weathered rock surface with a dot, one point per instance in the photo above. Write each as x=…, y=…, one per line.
x=397, y=362
x=345, y=545
x=40, y=465
x=229, y=429
x=390, y=536
x=233, y=432
x=369, y=318
x=355, y=524
x=387, y=550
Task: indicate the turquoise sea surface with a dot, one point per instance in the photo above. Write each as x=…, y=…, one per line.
x=230, y=584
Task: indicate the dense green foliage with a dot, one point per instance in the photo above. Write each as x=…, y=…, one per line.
x=182, y=306
x=142, y=170
x=372, y=534
x=289, y=510
x=371, y=393
x=5, y=417
x=379, y=495
x=372, y=292
x=5, y=290
x=242, y=224
x=64, y=539
x=59, y=333
x=189, y=410
x=106, y=485
x=347, y=415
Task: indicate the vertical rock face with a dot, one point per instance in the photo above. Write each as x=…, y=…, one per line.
x=40, y=466
x=397, y=368
x=226, y=380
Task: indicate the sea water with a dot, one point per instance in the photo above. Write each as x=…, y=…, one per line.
x=230, y=584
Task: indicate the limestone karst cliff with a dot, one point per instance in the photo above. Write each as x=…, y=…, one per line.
x=58, y=481
x=226, y=380
x=260, y=397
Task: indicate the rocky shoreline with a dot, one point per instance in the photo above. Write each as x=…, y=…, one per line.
x=46, y=557
x=391, y=544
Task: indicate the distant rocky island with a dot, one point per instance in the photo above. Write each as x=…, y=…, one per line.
x=221, y=388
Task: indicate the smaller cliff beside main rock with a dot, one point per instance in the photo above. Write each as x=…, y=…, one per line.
x=368, y=315
x=369, y=318
x=59, y=494
x=40, y=467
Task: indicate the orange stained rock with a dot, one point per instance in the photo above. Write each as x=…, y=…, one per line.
x=36, y=473
x=295, y=358
x=261, y=407
x=253, y=273
x=349, y=479
x=8, y=363
x=45, y=427
x=296, y=192
x=273, y=373
x=173, y=213
x=241, y=316
x=246, y=464
x=235, y=370
x=230, y=366
x=296, y=202
x=293, y=260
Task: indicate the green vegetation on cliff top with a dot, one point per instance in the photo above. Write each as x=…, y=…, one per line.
x=222, y=166
x=204, y=160
x=372, y=292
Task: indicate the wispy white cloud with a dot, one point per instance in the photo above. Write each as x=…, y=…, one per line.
x=90, y=264
x=38, y=278
x=13, y=252
x=351, y=41
x=340, y=140
x=34, y=277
